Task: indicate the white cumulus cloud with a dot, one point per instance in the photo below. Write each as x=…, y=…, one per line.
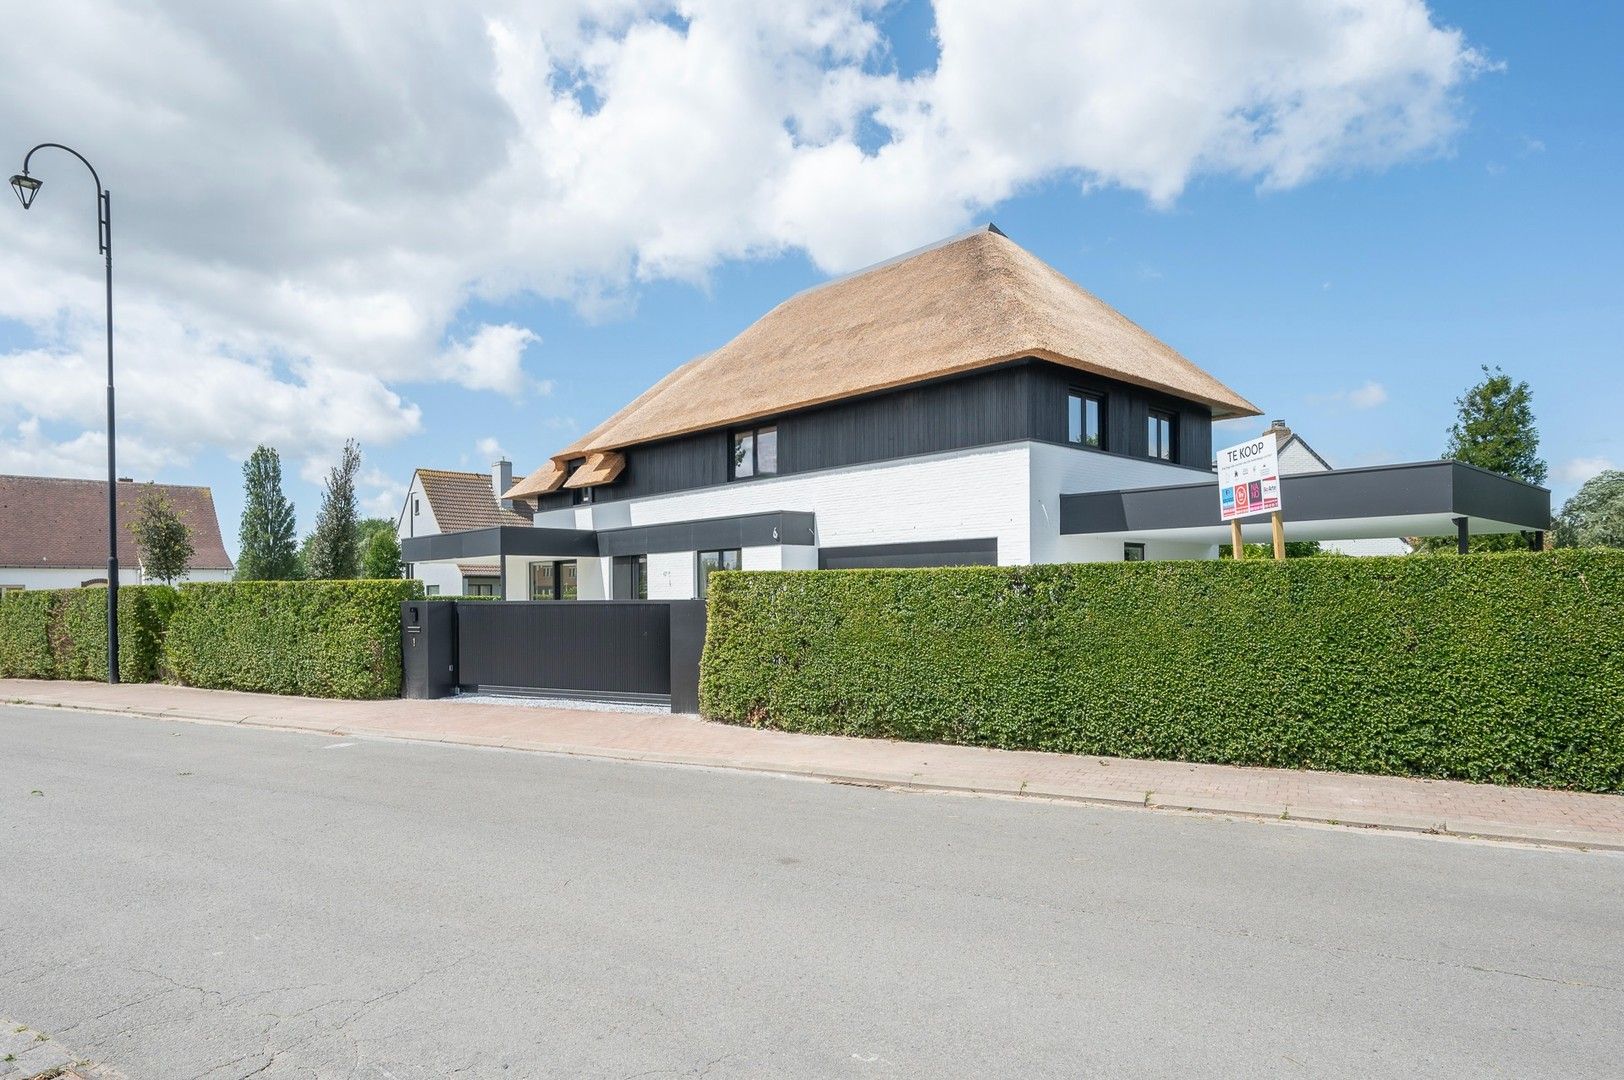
x=308, y=196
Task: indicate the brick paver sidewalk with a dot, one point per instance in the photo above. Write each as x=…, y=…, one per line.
x=1442, y=806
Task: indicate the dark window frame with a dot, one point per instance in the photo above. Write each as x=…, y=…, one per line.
x=702, y=576
x=754, y=433
x=1083, y=397
x=1133, y=553
x=491, y=583
x=557, y=586
x=1170, y=421
x=639, y=576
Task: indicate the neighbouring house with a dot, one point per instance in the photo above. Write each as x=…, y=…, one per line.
x=1296, y=458
x=53, y=532
x=445, y=501
x=964, y=403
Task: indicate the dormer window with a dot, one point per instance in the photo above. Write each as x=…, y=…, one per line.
x=755, y=452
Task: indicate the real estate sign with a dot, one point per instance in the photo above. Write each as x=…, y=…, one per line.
x=1249, y=479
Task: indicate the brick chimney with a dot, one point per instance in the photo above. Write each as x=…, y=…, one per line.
x=1280, y=431
x=501, y=480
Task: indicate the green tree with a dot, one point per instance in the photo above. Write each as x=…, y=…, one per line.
x=162, y=537
x=367, y=528
x=270, y=551
x=382, y=556
x=1295, y=549
x=332, y=550
x=1494, y=429
x=1594, y=517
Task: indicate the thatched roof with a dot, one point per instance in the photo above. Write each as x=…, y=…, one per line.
x=970, y=302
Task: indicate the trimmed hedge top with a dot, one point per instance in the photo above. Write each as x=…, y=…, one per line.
x=1505, y=668
x=318, y=638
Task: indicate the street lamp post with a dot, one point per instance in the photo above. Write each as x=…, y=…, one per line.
x=27, y=188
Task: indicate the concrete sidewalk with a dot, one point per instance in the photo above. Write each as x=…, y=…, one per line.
x=1434, y=806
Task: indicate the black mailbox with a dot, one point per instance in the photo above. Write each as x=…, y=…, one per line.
x=428, y=648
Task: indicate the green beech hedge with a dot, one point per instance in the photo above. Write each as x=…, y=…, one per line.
x=25, y=635
x=62, y=633
x=318, y=638
x=1505, y=667
x=79, y=632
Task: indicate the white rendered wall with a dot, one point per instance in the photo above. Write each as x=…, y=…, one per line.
x=672, y=575
x=959, y=495
x=69, y=577
x=1296, y=459
x=444, y=577
x=1065, y=470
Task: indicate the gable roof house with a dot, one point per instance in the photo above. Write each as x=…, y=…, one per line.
x=53, y=532
x=447, y=501
x=964, y=403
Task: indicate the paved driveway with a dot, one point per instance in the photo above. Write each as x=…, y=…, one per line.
x=189, y=900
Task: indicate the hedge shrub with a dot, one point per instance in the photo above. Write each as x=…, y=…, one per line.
x=25, y=635
x=318, y=638
x=62, y=633
x=1506, y=668
x=79, y=631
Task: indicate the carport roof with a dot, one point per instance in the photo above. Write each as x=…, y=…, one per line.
x=1417, y=499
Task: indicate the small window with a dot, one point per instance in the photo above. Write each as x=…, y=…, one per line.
x=578, y=496
x=1133, y=553
x=1159, y=430
x=755, y=453
x=554, y=580
x=431, y=590
x=1085, y=419
x=712, y=561
x=480, y=586
x=417, y=507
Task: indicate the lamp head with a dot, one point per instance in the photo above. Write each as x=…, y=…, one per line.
x=26, y=187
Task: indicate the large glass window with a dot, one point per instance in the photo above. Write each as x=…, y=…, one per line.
x=755, y=452
x=554, y=580
x=712, y=561
x=1160, y=432
x=1085, y=419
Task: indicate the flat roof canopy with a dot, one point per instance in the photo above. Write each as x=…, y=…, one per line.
x=519, y=541
x=1419, y=499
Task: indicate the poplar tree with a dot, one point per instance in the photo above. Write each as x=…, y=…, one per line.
x=270, y=549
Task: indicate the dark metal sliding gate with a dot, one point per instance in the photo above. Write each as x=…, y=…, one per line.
x=616, y=650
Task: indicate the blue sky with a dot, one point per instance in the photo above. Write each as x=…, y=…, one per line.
x=1355, y=304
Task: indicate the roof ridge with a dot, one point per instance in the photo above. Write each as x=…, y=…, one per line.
x=883, y=264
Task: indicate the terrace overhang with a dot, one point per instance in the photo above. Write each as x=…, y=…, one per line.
x=519, y=541
x=1425, y=498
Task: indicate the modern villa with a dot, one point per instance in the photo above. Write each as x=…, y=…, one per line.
x=965, y=403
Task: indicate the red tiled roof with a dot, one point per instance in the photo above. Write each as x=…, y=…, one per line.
x=465, y=500
x=48, y=521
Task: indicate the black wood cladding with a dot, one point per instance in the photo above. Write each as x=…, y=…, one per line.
x=1024, y=400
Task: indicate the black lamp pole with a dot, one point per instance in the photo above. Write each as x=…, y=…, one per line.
x=27, y=187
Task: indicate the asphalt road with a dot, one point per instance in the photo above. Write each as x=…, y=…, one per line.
x=181, y=900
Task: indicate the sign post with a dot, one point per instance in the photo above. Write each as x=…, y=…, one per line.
x=1249, y=486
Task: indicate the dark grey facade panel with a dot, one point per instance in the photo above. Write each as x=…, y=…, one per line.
x=501, y=540
x=976, y=552
x=745, y=530
x=1025, y=399
x=1432, y=487
x=749, y=530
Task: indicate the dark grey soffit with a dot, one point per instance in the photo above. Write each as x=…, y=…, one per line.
x=748, y=530
x=1426, y=487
